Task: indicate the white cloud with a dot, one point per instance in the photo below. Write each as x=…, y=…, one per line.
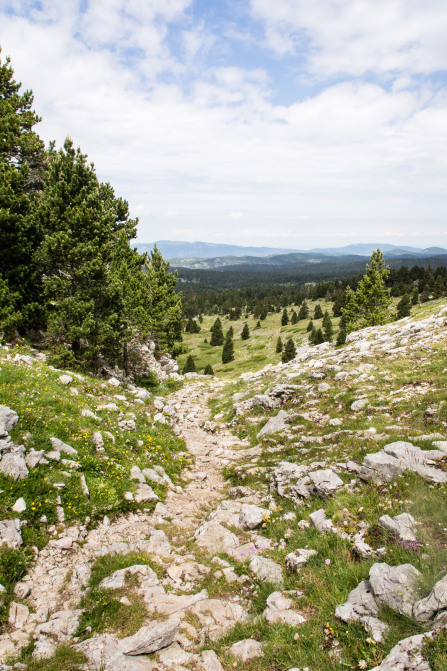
x=358, y=36
x=196, y=164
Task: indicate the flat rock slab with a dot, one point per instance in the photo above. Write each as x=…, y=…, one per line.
x=246, y=650
x=117, y=579
x=362, y=607
x=399, y=457
x=251, y=516
x=325, y=481
x=296, y=559
x=402, y=525
x=275, y=424
x=406, y=656
x=213, y=537
x=10, y=533
x=280, y=610
x=8, y=417
x=266, y=570
x=395, y=586
x=104, y=654
x=151, y=638
x=426, y=608
x=217, y=616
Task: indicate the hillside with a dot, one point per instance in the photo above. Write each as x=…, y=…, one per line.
x=293, y=517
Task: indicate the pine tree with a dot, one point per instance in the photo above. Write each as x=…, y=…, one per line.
x=279, y=345
x=415, y=296
x=208, y=369
x=258, y=324
x=304, y=311
x=312, y=334
x=228, y=351
x=22, y=162
x=294, y=319
x=370, y=305
x=341, y=337
x=190, y=366
x=217, y=336
x=164, y=303
x=318, y=312
x=245, y=332
x=230, y=333
x=403, y=307
x=79, y=226
x=284, y=318
x=328, y=330
x=289, y=351
x=263, y=314
x=310, y=326
x=319, y=337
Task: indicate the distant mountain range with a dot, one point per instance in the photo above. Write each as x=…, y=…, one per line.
x=207, y=255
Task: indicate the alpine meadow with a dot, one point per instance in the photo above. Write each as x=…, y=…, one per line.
x=211, y=461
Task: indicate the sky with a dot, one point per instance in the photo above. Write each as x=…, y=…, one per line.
x=288, y=123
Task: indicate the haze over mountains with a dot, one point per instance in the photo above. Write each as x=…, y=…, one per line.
x=206, y=255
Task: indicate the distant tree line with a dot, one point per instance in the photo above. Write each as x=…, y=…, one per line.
x=258, y=301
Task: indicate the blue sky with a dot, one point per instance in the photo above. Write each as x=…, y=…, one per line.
x=270, y=122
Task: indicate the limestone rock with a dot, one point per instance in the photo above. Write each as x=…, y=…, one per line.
x=320, y=521
x=209, y=661
x=214, y=537
x=117, y=579
x=158, y=544
x=19, y=506
x=296, y=559
x=65, y=379
x=145, y=494
x=14, y=465
x=104, y=654
x=402, y=525
x=325, y=481
x=35, y=457
x=275, y=424
x=395, y=586
x=359, y=405
x=150, y=638
x=8, y=417
x=426, y=608
x=217, y=616
x=10, y=533
x=398, y=457
x=251, y=517
x=246, y=650
x=405, y=656
x=152, y=476
x=362, y=607
x=280, y=609
x=60, y=446
x=266, y=570
x=18, y=615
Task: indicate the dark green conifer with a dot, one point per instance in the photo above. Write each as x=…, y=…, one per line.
x=289, y=351
x=217, y=336
x=230, y=332
x=310, y=326
x=341, y=337
x=208, y=369
x=294, y=318
x=403, y=307
x=319, y=337
x=284, y=318
x=279, y=345
x=304, y=311
x=228, y=351
x=190, y=366
x=245, y=332
x=318, y=312
x=328, y=330
x=415, y=296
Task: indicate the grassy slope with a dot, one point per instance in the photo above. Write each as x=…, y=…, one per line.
x=46, y=409
x=325, y=642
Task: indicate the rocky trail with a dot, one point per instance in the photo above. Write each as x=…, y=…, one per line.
x=320, y=494
x=60, y=576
